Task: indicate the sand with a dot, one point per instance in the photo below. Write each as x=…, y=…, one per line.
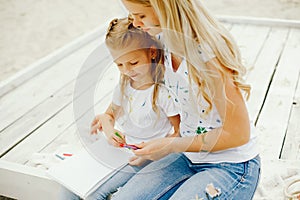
x=33, y=29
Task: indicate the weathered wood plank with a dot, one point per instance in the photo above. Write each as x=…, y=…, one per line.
x=44, y=111
x=250, y=39
x=21, y=100
x=260, y=21
x=20, y=182
x=261, y=74
x=273, y=120
x=291, y=148
x=71, y=138
x=49, y=131
x=48, y=61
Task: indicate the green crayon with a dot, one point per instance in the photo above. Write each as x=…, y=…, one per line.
x=117, y=134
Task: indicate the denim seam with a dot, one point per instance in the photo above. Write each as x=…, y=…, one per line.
x=257, y=182
x=243, y=177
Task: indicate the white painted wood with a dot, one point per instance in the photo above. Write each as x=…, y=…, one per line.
x=28, y=95
x=273, y=121
x=259, y=21
x=228, y=26
x=291, y=148
x=250, y=39
x=27, y=183
x=260, y=76
x=43, y=112
x=59, y=123
x=71, y=138
x=48, y=61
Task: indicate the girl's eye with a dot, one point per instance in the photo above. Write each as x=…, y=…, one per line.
x=142, y=16
x=119, y=65
x=134, y=63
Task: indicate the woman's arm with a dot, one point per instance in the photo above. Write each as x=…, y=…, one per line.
x=234, y=132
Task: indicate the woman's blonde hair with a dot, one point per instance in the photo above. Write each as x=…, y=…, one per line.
x=186, y=24
x=120, y=35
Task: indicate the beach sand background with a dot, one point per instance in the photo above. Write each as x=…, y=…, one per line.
x=32, y=29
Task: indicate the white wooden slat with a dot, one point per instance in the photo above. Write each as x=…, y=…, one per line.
x=272, y=123
x=48, y=61
x=71, y=139
x=250, y=39
x=25, y=125
x=59, y=123
x=291, y=148
x=260, y=21
x=27, y=183
x=228, y=26
x=260, y=76
x=27, y=96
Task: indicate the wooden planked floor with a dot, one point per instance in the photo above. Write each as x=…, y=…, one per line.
x=43, y=114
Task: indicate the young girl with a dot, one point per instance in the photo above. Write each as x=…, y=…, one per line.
x=220, y=159
x=142, y=107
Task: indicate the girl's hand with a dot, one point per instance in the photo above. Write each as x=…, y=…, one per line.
x=115, y=138
x=96, y=125
x=155, y=149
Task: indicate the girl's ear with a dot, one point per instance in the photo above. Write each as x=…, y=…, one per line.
x=153, y=52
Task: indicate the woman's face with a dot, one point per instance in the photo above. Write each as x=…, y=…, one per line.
x=143, y=17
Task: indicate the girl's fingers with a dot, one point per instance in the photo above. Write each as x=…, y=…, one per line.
x=95, y=121
x=120, y=138
x=94, y=129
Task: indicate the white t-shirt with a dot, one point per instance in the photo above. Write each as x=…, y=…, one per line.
x=193, y=118
x=137, y=120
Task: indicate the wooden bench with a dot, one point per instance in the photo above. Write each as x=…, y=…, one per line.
x=47, y=108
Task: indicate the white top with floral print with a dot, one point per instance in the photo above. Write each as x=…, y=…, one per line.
x=193, y=119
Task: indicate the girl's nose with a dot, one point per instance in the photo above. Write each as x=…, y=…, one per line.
x=137, y=22
x=126, y=68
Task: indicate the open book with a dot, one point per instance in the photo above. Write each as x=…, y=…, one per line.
x=85, y=171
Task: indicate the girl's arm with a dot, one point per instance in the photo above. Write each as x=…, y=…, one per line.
x=175, y=121
x=234, y=132
x=105, y=122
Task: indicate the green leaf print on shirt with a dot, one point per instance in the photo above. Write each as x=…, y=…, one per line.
x=201, y=130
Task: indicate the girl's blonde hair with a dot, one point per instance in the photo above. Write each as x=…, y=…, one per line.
x=121, y=35
x=186, y=24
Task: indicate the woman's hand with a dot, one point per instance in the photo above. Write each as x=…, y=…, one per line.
x=155, y=149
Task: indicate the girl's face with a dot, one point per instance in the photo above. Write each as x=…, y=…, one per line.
x=136, y=65
x=143, y=17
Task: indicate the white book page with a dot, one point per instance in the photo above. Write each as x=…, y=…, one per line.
x=83, y=172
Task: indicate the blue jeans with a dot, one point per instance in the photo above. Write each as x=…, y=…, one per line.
x=175, y=177
x=114, y=182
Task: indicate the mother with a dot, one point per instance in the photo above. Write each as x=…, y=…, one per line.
x=220, y=159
